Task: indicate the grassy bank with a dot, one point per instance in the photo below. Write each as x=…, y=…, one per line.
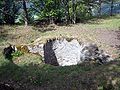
x=28, y=71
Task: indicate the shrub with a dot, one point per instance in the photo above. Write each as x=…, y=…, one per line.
x=17, y=54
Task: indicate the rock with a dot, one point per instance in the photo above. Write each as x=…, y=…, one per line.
x=36, y=49
x=72, y=53
x=89, y=52
x=65, y=53
x=49, y=54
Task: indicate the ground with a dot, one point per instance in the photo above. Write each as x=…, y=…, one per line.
x=28, y=72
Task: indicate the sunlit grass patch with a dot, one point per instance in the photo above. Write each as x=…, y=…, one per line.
x=110, y=23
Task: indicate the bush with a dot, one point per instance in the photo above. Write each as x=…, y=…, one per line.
x=17, y=54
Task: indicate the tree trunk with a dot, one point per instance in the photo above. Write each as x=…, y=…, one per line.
x=26, y=13
x=9, y=16
x=65, y=4
x=68, y=13
x=99, y=11
x=111, y=11
x=74, y=12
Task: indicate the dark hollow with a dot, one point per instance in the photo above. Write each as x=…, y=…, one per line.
x=49, y=54
x=7, y=52
x=5, y=87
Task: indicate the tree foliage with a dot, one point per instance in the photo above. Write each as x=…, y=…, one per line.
x=67, y=11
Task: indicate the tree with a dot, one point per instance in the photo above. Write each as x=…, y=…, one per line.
x=99, y=5
x=99, y=11
x=26, y=13
x=111, y=9
x=69, y=11
x=1, y=10
x=8, y=11
x=65, y=5
x=74, y=11
x=112, y=6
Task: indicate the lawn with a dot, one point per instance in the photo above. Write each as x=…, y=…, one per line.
x=29, y=72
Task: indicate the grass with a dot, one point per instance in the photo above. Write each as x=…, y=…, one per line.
x=107, y=22
x=28, y=72
x=21, y=34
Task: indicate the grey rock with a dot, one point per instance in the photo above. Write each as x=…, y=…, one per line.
x=36, y=49
x=67, y=53
x=64, y=53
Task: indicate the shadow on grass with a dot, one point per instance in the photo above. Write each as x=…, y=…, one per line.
x=85, y=76
x=44, y=29
x=5, y=35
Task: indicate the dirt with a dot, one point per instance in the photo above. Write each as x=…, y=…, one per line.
x=110, y=38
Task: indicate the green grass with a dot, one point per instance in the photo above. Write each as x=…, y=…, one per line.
x=107, y=22
x=20, y=34
x=29, y=71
